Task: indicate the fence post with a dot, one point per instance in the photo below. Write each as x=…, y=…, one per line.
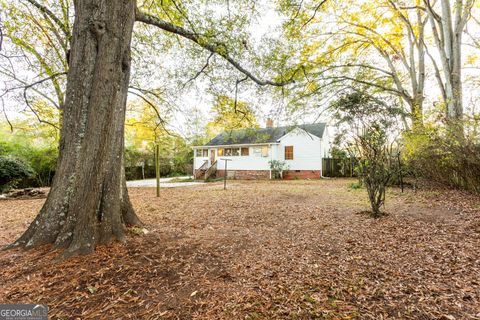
x=400, y=170
x=157, y=167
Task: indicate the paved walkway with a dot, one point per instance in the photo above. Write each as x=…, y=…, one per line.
x=164, y=183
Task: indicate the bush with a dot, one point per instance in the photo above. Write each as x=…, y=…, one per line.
x=11, y=171
x=435, y=154
x=38, y=152
x=368, y=128
x=277, y=168
x=355, y=185
x=376, y=167
x=43, y=162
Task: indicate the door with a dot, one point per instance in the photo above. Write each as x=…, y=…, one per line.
x=212, y=156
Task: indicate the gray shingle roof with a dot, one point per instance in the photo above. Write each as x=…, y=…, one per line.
x=263, y=135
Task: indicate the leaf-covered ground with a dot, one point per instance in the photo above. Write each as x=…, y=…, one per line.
x=263, y=250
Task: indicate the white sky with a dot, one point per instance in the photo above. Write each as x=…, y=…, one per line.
x=198, y=98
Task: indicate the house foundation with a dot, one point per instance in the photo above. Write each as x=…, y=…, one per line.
x=302, y=174
x=265, y=174
x=245, y=174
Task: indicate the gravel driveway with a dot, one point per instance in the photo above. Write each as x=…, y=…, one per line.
x=164, y=183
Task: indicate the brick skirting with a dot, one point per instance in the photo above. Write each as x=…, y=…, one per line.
x=245, y=174
x=302, y=174
x=265, y=174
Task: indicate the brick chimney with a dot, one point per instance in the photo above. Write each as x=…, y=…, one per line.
x=269, y=123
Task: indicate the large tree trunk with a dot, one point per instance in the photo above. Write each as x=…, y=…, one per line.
x=447, y=30
x=88, y=203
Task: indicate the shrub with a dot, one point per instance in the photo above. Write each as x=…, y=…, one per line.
x=38, y=152
x=376, y=166
x=368, y=131
x=11, y=171
x=277, y=168
x=436, y=154
x=43, y=162
x=355, y=185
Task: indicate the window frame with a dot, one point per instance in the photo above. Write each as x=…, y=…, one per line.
x=288, y=153
x=266, y=153
x=245, y=154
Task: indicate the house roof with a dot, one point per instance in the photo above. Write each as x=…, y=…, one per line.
x=263, y=135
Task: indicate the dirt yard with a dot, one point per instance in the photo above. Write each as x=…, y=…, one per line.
x=263, y=250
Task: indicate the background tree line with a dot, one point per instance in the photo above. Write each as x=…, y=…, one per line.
x=417, y=56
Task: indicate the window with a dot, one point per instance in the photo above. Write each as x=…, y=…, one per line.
x=265, y=151
x=288, y=152
x=220, y=152
x=245, y=151
x=231, y=152
x=202, y=153
x=257, y=151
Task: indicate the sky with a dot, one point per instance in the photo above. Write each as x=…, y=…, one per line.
x=195, y=102
x=196, y=99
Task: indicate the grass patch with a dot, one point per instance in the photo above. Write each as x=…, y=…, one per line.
x=177, y=180
x=355, y=185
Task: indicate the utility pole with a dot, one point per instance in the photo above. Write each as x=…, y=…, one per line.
x=157, y=167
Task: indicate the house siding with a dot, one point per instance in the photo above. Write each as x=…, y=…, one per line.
x=251, y=162
x=308, y=152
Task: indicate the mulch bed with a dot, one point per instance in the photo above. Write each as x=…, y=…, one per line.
x=263, y=250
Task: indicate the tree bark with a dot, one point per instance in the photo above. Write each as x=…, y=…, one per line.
x=88, y=202
x=447, y=29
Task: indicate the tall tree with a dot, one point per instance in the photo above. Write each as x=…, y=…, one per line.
x=230, y=115
x=379, y=45
x=34, y=60
x=448, y=21
x=88, y=202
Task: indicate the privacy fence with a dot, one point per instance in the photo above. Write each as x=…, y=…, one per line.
x=333, y=167
x=148, y=171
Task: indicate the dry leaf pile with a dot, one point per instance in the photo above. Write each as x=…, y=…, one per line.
x=263, y=250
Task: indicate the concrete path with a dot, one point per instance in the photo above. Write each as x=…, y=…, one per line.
x=164, y=183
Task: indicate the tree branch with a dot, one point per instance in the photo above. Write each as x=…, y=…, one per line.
x=205, y=66
x=162, y=121
x=28, y=103
x=49, y=14
x=315, y=12
x=1, y=37
x=5, y=114
x=219, y=49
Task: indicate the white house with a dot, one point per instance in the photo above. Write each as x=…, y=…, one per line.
x=248, y=152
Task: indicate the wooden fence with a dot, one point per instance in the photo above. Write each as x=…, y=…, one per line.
x=333, y=167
